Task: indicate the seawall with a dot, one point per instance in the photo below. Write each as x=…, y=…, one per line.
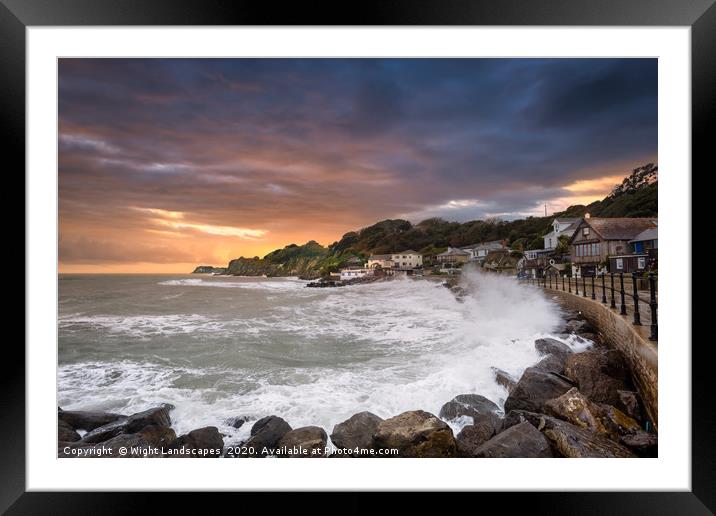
x=618, y=332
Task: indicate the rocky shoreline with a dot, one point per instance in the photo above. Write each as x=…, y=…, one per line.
x=567, y=405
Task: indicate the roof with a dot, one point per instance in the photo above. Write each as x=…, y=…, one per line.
x=380, y=256
x=565, y=221
x=620, y=228
x=452, y=251
x=647, y=234
x=407, y=251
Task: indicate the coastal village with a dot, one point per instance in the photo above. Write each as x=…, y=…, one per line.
x=575, y=247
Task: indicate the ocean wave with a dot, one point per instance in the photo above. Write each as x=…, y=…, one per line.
x=267, y=284
x=142, y=325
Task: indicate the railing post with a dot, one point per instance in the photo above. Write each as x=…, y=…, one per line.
x=637, y=316
x=584, y=286
x=593, y=296
x=569, y=284
x=652, y=305
x=550, y=281
x=576, y=286
x=613, y=303
x=623, y=310
x=562, y=282
x=604, y=289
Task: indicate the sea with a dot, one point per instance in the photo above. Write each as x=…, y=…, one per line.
x=222, y=347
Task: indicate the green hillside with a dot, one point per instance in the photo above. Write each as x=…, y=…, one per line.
x=636, y=196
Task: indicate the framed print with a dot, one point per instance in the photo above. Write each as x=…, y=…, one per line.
x=427, y=236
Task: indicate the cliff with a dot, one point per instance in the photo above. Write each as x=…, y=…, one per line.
x=209, y=269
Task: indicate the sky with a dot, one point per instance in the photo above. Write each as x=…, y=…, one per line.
x=165, y=164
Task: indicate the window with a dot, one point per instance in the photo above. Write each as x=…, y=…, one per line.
x=641, y=262
x=620, y=264
x=585, y=231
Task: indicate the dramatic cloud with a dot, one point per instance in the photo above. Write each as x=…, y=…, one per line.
x=170, y=161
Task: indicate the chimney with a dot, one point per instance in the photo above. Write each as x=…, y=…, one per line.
x=586, y=215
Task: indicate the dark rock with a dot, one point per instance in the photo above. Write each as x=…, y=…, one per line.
x=158, y=416
x=572, y=406
x=200, y=443
x=512, y=418
x=356, y=432
x=572, y=441
x=599, y=374
x=416, y=434
x=629, y=404
x=645, y=444
x=505, y=379
x=266, y=433
x=618, y=422
x=309, y=441
x=534, y=389
x=65, y=433
x=479, y=408
x=473, y=436
x=553, y=347
x=578, y=326
x=551, y=364
x=237, y=422
x=521, y=440
x=87, y=420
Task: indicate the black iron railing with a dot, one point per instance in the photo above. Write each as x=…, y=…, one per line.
x=591, y=288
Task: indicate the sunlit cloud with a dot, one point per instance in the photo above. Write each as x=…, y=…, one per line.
x=176, y=220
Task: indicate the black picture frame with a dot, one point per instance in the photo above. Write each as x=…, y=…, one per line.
x=17, y=15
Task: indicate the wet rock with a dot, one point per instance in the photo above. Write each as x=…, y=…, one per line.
x=534, y=389
x=553, y=347
x=308, y=441
x=572, y=406
x=578, y=326
x=416, y=434
x=599, y=374
x=512, y=418
x=479, y=408
x=521, y=440
x=572, y=441
x=643, y=443
x=200, y=443
x=629, y=404
x=155, y=416
x=266, y=433
x=237, y=422
x=87, y=420
x=356, y=432
x=65, y=433
x=505, y=379
x=472, y=437
x=551, y=364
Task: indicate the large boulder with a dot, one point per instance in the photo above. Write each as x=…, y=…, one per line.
x=158, y=436
x=265, y=435
x=578, y=326
x=599, y=374
x=572, y=441
x=505, y=379
x=416, y=434
x=356, y=432
x=158, y=416
x=553, y=347
x=472, y=437
x=479, y=408
x=200, y=443
x=87, y=420
x=65, y=433
x=521, y=440
x=534, y=389
x=307, y=441
x=572, y=406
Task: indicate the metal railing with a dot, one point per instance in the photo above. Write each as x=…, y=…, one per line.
x=591, y=286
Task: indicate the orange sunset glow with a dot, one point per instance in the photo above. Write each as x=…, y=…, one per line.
x=166, y=164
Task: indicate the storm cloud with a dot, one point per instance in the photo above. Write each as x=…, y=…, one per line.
x=168, y=161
